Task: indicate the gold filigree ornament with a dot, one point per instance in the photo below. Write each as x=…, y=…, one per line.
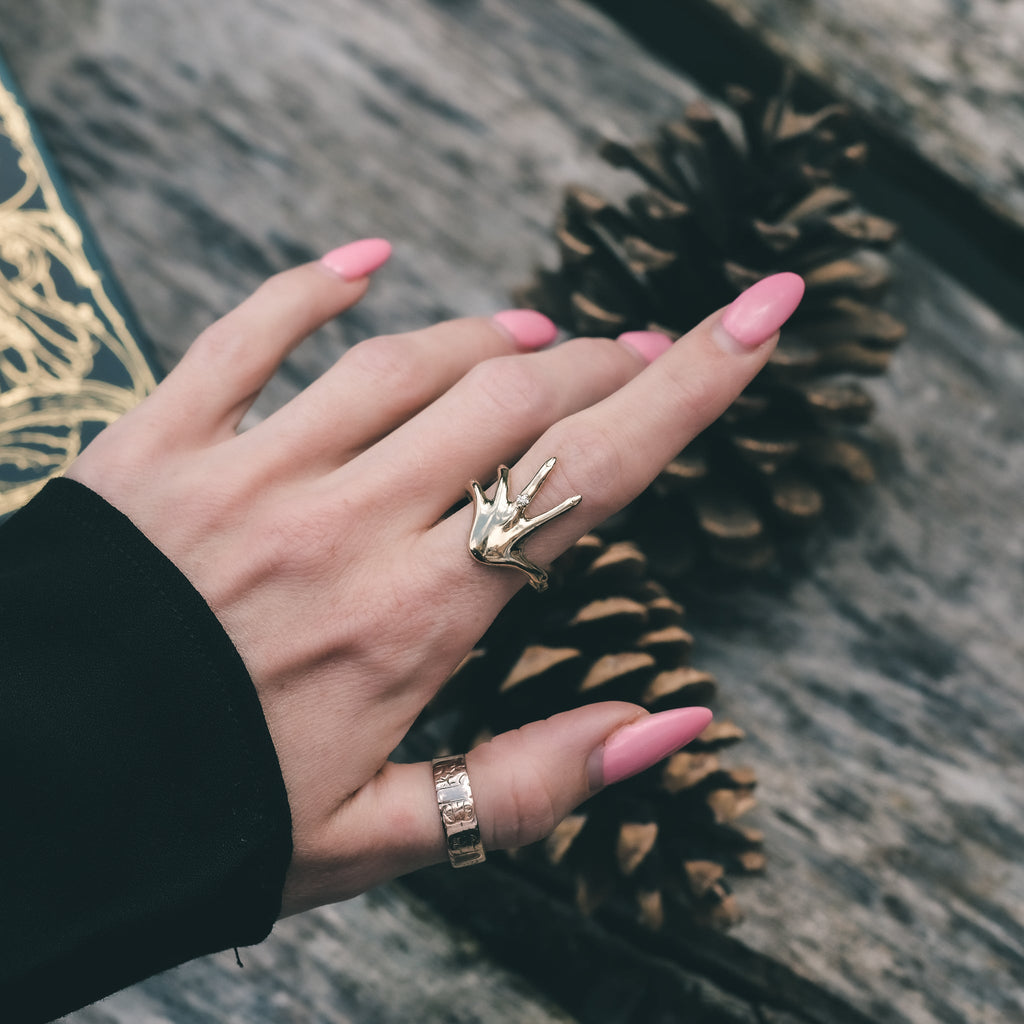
x=68, y=363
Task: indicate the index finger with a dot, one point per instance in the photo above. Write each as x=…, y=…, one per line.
x=611, y=451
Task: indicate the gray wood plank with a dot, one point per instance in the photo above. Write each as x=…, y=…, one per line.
x=887, y=730
x=946, y=77
x=382, y=958
x=213, y=142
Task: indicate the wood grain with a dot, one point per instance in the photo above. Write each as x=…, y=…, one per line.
x=945, y=77
x=384, y=958
x=212, y=143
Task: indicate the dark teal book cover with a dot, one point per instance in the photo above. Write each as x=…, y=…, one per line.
x=72, y=358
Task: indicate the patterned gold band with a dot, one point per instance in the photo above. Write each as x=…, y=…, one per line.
x=458, y=814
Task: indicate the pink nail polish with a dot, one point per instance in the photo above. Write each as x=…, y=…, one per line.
x=528, y=328
x=358, y=259
x=643, y=743
x=649, y=344
x=759, y=312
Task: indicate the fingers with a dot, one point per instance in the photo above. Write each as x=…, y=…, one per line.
x=614, y=449
x=524, y=782
x=491, y=416
x=221, y=374
x=380, y=383
x=610, y=451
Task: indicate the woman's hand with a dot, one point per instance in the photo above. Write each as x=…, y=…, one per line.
x=322, y=541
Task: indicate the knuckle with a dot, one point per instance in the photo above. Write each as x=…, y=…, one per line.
x=137, y=458
x=512, y=388
x=379, y=360
x=698, y=394
x=228, y=332
x=531, y=804
x=389, y=364
x=590, y=459
x=605, y=356
x=276, y=287
x=296, y=541
x=222, y=341
x=294, y=289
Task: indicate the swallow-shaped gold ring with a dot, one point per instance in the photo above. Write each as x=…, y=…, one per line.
x=500, y=526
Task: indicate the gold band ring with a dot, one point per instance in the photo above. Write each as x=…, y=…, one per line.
x=458, y=813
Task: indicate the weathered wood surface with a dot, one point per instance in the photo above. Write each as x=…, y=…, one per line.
x=211, y=143
x=946, y=77
x=382, y=958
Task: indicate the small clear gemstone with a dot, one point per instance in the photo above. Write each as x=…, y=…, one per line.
x=522, y=501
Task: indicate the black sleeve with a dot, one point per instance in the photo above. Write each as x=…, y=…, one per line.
x=143, y=817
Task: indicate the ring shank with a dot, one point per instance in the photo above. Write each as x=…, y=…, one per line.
x=457, y=810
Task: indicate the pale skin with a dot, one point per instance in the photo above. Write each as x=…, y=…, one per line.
x=320, y=540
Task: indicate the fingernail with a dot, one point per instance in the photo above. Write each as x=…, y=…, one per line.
x=637, y=746
x=649, y=344
x=759, y=312
x=528, y=328
x=358, y=259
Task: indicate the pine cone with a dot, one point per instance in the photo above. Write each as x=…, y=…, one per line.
x=719, y=214
x=605, y=631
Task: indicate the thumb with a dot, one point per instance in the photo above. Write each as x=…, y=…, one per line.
x=524, y=783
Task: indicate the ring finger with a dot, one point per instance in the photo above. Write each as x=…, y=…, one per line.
x=491, y=415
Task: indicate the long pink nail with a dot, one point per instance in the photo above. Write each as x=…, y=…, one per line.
x=643, y=743
x=759, y=312
x=649, y=344
x=529, y=329
x=358, y=259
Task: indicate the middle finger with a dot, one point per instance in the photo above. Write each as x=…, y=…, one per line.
x=381, y=382
x=490, y=416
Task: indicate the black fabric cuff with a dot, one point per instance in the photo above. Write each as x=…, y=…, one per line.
x=143, y=815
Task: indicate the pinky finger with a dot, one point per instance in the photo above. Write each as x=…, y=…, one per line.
x=228, y=365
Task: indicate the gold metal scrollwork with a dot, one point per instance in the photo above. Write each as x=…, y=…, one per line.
x=68, y=363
